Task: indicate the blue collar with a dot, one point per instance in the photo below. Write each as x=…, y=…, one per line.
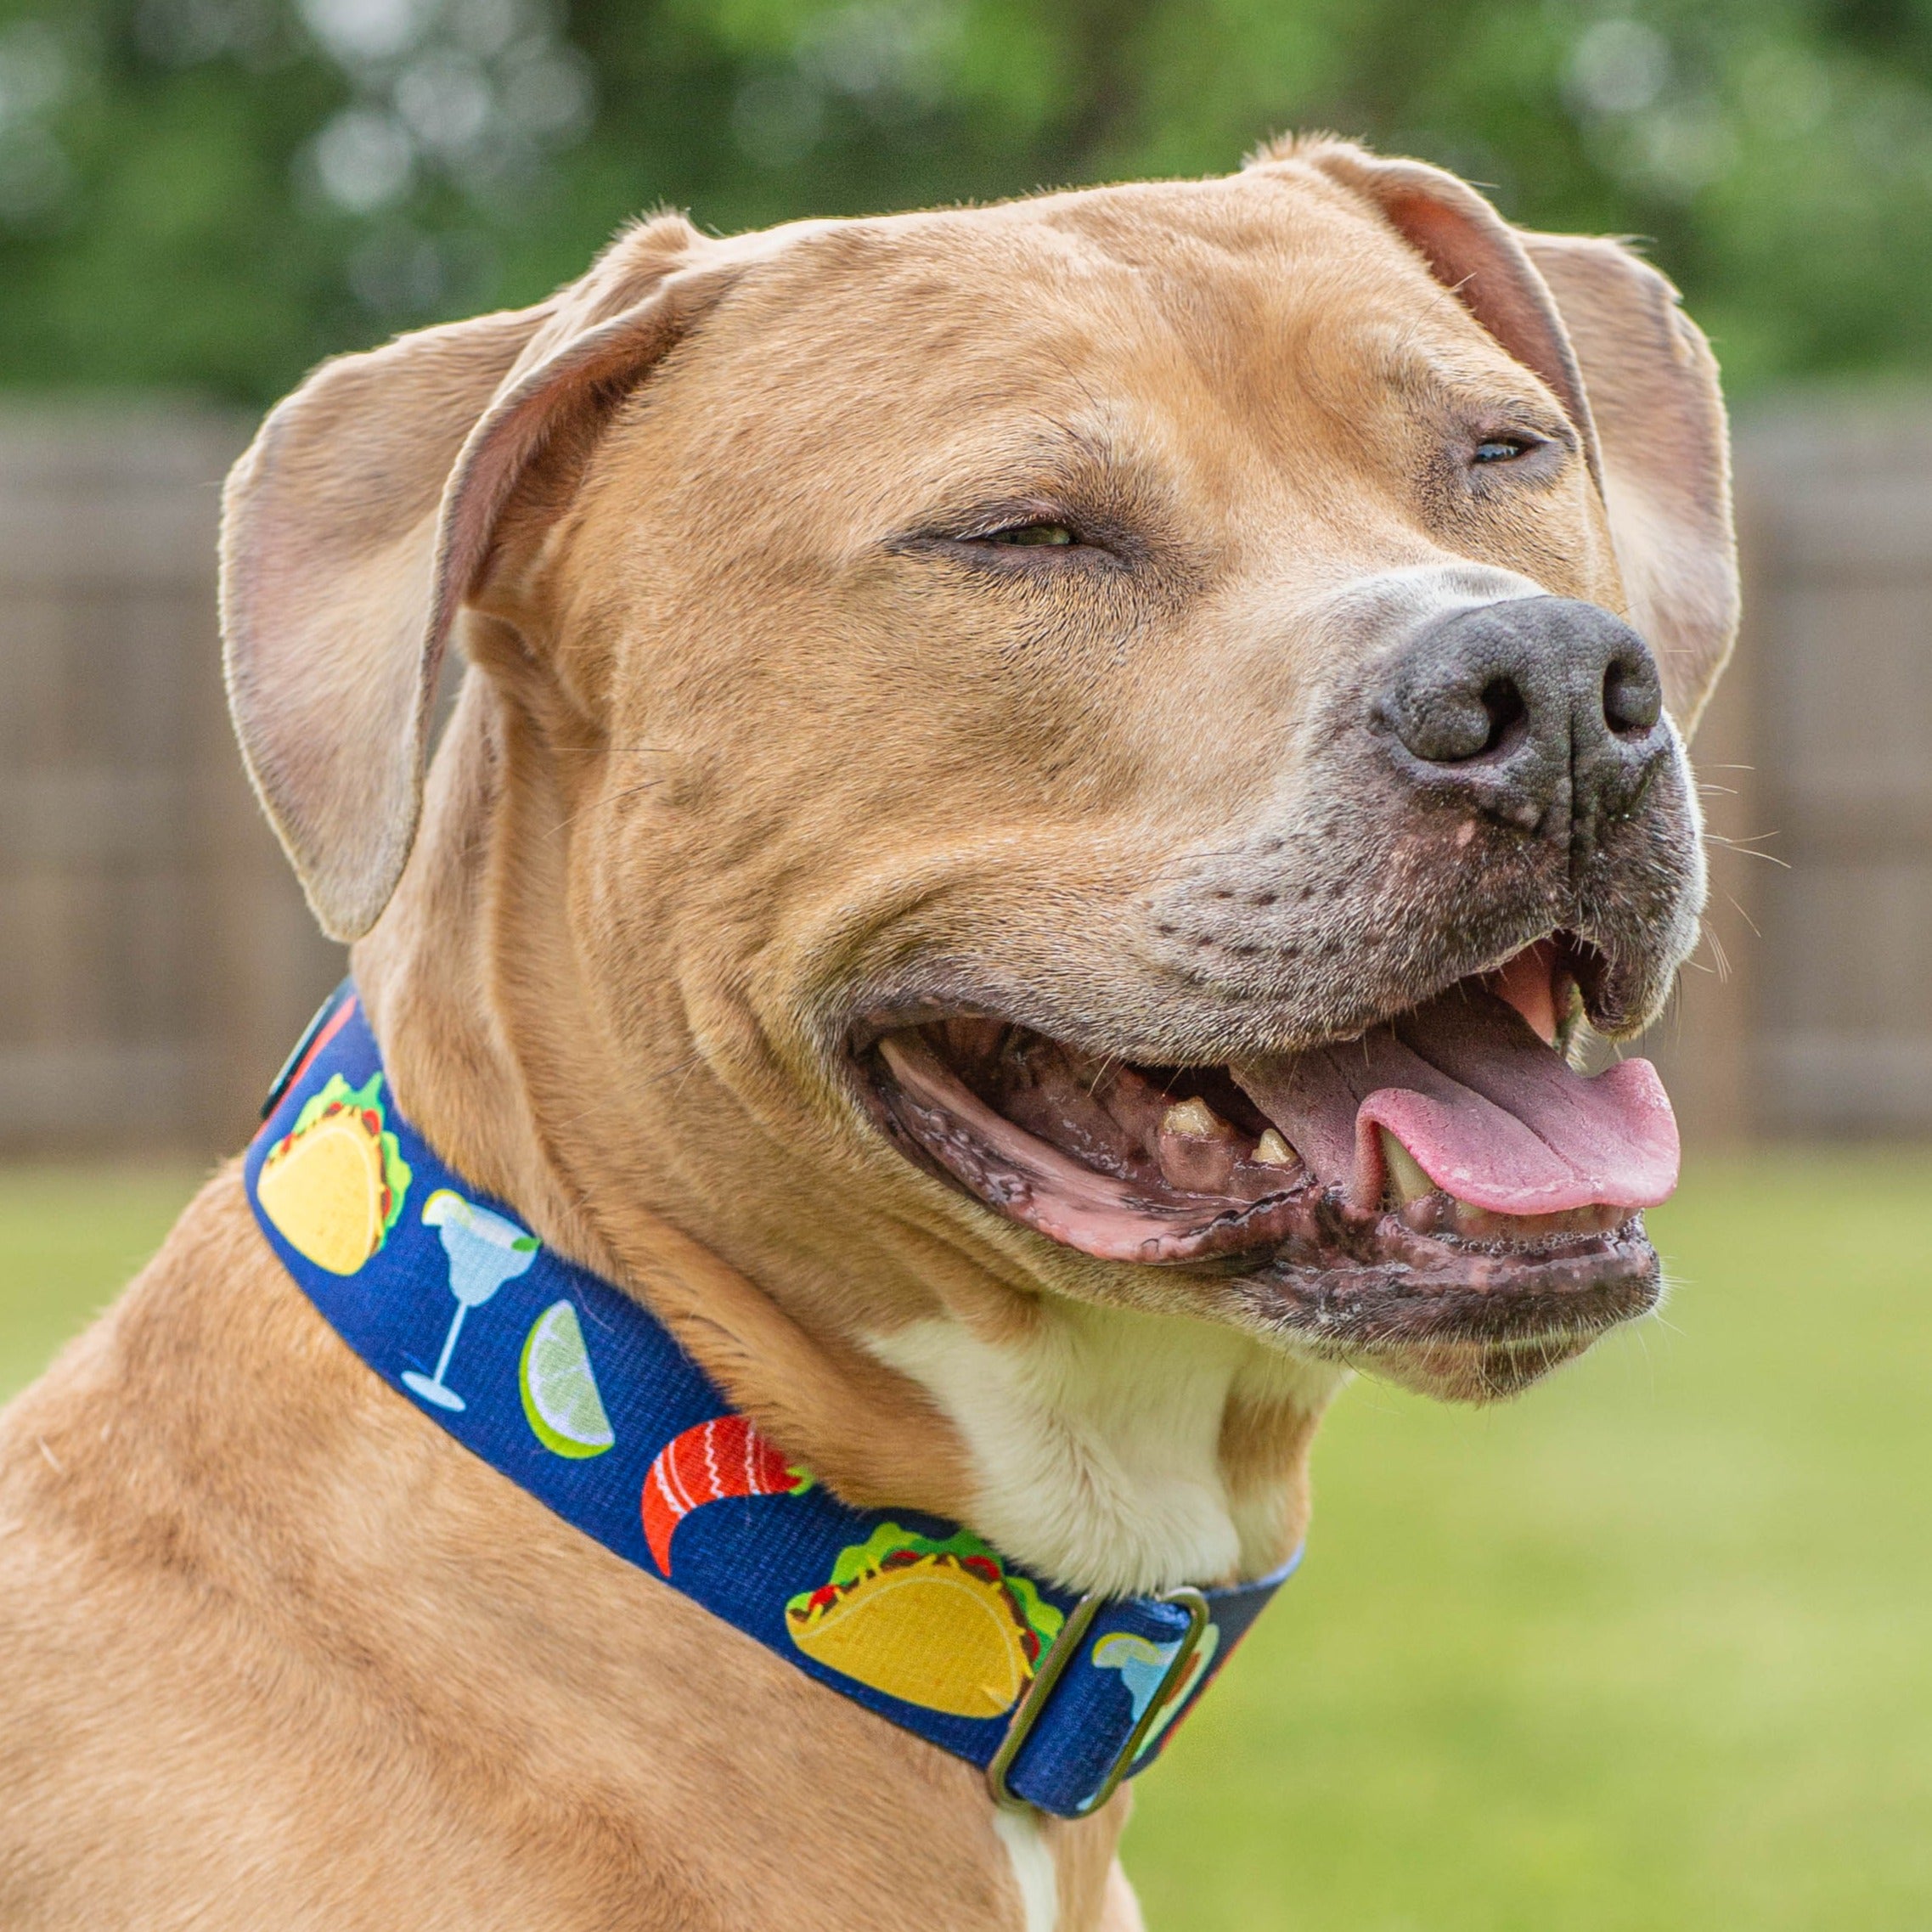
x=572, y=1389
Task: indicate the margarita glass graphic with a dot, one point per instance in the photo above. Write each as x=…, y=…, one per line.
x=1143, y=1665
x=485, y=1251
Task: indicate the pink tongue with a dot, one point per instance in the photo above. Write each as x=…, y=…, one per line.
x=1491, y=1114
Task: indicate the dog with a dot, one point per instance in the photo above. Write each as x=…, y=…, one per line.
x=1037, y=796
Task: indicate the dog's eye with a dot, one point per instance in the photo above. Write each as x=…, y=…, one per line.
x=1056, y=535
x=1500, y=449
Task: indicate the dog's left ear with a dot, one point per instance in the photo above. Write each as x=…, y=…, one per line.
x=363, y=514
x=1604, y=331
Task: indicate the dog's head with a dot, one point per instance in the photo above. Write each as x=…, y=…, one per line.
x=1104, y=745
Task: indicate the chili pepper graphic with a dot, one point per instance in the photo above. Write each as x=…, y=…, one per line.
x=723, y=1457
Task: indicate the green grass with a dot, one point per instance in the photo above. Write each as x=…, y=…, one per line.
x=70, y=1239
x=1647, y=1651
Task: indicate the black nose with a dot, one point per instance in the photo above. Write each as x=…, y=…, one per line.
x=1542, y=711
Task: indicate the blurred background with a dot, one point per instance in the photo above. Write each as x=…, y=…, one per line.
x=1646, y=1650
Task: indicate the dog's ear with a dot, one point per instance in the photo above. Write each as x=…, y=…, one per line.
x=359, y=519
x=1603, y=329
x=1666, y=451
x=1473, y=253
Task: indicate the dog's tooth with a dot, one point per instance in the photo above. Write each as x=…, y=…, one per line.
x=1272, y=1151
x=1194, y=1120
x=1477, y=1224
x=1198, y=1149
x=1407, y=1179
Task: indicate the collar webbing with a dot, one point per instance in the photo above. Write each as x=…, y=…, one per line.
x=574, y=1391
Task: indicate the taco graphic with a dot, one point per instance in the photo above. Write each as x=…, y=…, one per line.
x=333, y=1185
x=941, y=1624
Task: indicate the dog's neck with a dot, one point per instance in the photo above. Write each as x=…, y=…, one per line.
x=1142, y=1452
x=1113, y=1450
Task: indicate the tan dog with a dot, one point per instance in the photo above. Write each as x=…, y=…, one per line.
x=961, y=707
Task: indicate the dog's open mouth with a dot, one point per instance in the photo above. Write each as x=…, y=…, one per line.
x=1448, y=1176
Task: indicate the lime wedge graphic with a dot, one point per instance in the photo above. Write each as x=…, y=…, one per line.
x=560, y=1393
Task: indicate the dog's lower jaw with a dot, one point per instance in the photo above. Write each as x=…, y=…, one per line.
x=1123, y=1452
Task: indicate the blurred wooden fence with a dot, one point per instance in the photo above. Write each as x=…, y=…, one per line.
x=155, y=959
x=1840, y=691
x=1803, y=1015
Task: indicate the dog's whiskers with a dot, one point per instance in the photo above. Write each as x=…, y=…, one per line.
x=1755, y=932
x=1747, y=848
x=1719, y=958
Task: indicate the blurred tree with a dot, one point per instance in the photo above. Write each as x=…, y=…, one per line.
x=211, y=193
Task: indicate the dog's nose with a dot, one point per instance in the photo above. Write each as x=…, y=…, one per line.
x=1543, y=711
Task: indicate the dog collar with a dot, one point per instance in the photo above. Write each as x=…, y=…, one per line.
x=571, y=1388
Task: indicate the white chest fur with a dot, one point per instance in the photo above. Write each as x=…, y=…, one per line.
x=1033, y=1870
x=1098, y=1437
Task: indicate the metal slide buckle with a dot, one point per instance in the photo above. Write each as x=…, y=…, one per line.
x=1066, y=1647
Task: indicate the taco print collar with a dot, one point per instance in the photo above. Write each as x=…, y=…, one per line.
x=573, y=1391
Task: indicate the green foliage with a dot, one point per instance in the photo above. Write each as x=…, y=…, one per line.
x=212, y=194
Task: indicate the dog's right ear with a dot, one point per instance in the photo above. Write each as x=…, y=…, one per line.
x=359, y=519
